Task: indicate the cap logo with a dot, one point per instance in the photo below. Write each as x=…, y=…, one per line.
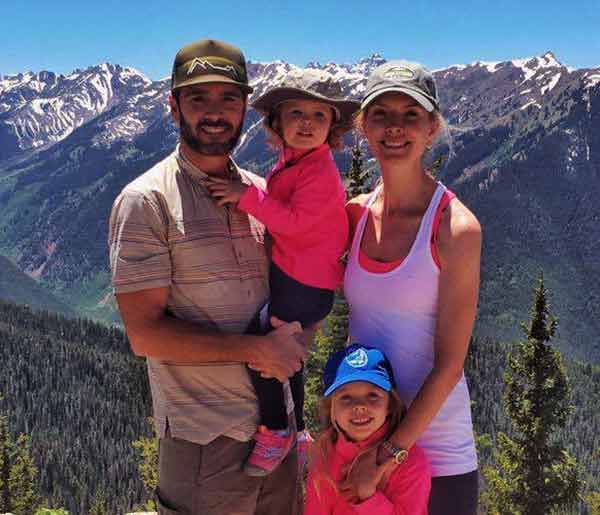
x=206, y=65
x=357, y=359
x=399, y=73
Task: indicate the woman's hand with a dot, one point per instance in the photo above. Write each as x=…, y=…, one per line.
x=366, y=476
x=226, y=191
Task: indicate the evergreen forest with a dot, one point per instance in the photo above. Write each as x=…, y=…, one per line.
x=76, y=390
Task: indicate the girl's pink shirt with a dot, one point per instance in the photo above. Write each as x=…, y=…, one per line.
x=405, y=493
x=303, y=209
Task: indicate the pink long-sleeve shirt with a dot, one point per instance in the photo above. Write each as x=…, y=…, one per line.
x=405, y=493
x=303, y=210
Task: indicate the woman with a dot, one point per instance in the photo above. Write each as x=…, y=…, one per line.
x=412, y=283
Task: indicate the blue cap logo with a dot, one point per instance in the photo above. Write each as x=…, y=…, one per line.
x=357, y=359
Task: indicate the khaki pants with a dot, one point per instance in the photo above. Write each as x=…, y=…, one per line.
x=208, y=480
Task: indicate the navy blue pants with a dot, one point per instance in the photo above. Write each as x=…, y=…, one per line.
x=290, y=301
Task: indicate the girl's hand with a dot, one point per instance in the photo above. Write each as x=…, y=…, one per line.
x=227, y=192
x=365, y=477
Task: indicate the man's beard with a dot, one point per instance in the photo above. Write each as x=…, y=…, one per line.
x=208, y=149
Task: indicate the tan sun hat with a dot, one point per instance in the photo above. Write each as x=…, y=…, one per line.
x=309, y=85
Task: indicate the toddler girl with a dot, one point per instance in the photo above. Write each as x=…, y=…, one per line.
x=303, y=211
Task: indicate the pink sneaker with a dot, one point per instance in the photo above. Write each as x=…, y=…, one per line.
x=270, y=449
x=303, y=442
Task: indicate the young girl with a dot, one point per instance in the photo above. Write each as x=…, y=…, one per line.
x=360, y=410
x=303, y=210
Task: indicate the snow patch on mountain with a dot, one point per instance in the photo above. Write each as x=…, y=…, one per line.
x=550, y=85
x=530, y=103
x=592, y=78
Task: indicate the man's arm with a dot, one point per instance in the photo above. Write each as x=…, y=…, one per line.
x=154, y=334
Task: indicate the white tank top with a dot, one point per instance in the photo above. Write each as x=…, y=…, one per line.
x=396, y=312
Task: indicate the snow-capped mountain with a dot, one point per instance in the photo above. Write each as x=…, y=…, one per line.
x=525, y=157
x=40, y=109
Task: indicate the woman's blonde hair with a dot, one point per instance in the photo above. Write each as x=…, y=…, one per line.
x=334, y=138
x=324, y=444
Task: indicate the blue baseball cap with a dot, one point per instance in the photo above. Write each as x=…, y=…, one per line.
x=358, y=363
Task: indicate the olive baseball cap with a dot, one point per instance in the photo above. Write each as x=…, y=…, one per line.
x=309, y=85
x=412, y=79
x=209, y=60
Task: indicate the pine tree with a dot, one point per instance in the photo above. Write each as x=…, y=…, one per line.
x=98, y=506
x=593, y=502
x=23, y=478
x=5, y=451
x=147, y=450
x=357, y=178
x=18, y=473
x=593, y=498
x=535, y=475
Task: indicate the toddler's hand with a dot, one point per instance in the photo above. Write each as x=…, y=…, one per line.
x=226, y=191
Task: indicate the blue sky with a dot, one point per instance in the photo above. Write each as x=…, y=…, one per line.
x=62, y=35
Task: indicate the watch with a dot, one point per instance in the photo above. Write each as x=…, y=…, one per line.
x=398, y=453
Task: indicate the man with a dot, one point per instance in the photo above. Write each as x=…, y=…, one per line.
x=189, y=276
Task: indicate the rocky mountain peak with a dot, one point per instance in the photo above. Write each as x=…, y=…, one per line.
x=366, y=64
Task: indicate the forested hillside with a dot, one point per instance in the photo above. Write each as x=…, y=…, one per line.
x=77, y=390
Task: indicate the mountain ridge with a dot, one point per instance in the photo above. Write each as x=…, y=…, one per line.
x=525, y=157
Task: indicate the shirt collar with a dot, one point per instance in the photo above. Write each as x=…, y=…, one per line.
x=202, y=177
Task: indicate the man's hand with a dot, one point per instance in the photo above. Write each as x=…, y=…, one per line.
x=279, y=354
x=226, y=191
